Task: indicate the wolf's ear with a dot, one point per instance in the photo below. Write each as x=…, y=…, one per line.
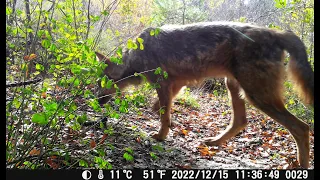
x=113, y=71
x=101, y=57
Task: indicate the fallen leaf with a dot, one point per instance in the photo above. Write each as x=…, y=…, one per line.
x=92, y=144
x=103, y=138
x=184, y=132
x=34, y=151
x=29, y=57
x=138, y=139
x=52, y=164
x=44, y=95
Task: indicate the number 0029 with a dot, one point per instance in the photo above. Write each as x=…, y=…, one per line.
x=296, y=174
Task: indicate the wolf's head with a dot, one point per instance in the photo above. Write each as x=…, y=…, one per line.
x=113, y=71
x=121, y=74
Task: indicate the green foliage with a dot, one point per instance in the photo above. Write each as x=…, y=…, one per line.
x=280, y=3
x=63, y=53
x=128, y=154
x=159, y=71
x=131, y=44
x=187, y=99
x=56, y=41
x=83, y=163
x=187, y=11
x=40, y=118
x=102, y=163
x=153, y=155
x=299, y=16
x=243, y=19
x=295, y=106
x=154, y=32
x=158, y=147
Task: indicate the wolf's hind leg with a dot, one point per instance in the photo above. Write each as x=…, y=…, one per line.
x=274, y=107
x=238, y=121
x=264, y=90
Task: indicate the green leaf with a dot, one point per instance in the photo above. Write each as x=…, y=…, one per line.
x=123, y=109
x=39, y=67
x=81, y=119
x=161, y=111
x=73, y=106
x=105, y=12
x=53, y=47
x=39, y=118
x=152, y=33
x=85, y=70
x=50, y=107
x=46, y=43
x=12, y=45
x=95, y=105
x=158, y=148
x=95, y=18
x=128, y=157
x=117, y=101
x=291, y=101
x=157, y=71
x=19, y=12
x=157, y=31
x=8, y=10
x=153, y=156
x=129, y=150
x=280, y=3
x=116, y=60
x=75, y=69
x=130, y=44
x=141, y=47
x=119, y=52
x=165, y=74
x=115, y=115
x=69, y=18
x=87, y=93
x=135, y=46
x=103, y=81
x=29, y=30
x=124, y=103
x=109, y=84
x=243, y=19
x=140, y=40
x=76, y=82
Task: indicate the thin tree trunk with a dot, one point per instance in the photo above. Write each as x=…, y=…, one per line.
x=184, y=11
x=88, y=26
x=10, y=18
x=75, y=20
x=27, y=4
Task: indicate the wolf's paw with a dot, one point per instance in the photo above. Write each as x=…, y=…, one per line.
x=212, y=141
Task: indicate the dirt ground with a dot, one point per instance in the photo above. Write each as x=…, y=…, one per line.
x=263, y=144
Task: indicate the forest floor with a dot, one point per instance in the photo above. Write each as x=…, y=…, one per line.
x=263, y=144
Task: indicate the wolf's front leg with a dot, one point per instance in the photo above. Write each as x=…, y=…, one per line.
x=165, y=101
x=238, y=121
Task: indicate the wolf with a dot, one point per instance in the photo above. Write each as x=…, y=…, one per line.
x=249, y=57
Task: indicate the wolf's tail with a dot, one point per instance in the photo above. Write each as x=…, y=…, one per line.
x=299, y=69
